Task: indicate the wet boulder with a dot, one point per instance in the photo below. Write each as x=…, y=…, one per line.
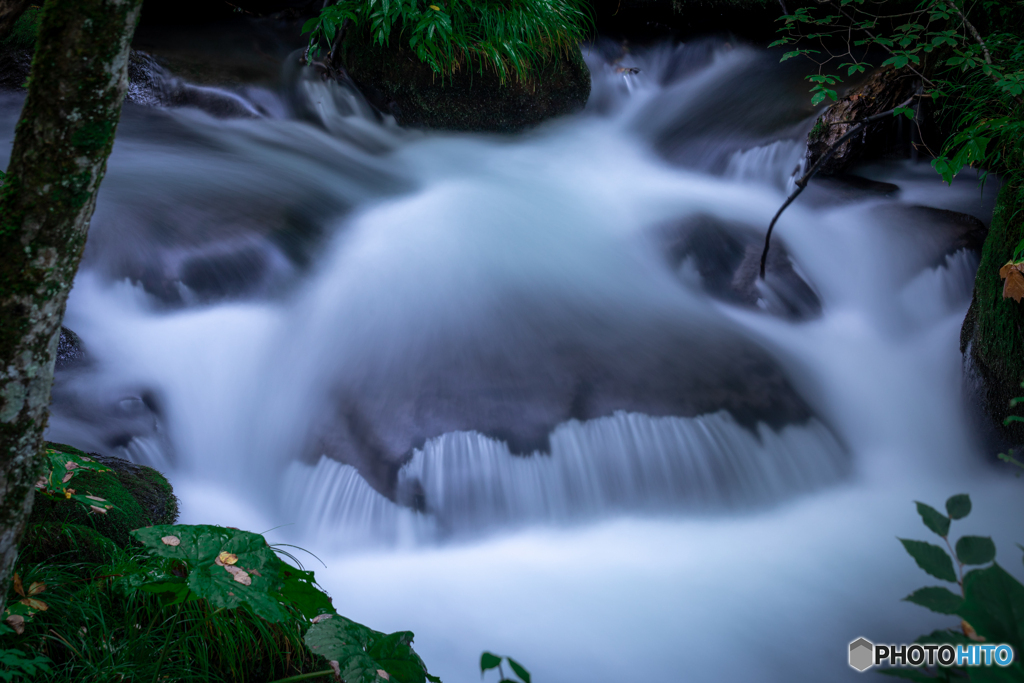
x=141, y=497
x=395, y=82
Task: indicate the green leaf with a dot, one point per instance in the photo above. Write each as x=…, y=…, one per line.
x=299, y=590
x=958, y=506
x=519, y=669
x=932, y=518
x=818, y=98
x=395, y=655
x=489, y=661
x=975, y=550
x=931, y=558
x=937, y=599
x=994, y=606
x=252, y=578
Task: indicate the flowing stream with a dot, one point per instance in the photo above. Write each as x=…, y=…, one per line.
x=524, y=393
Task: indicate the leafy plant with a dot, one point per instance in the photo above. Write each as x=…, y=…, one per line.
x=490, y=661
x=16, y=664
x=990, y=602
x=976, y=81
x=61, y=469
x=199, y=603
x=361, y=655
x=509, y=37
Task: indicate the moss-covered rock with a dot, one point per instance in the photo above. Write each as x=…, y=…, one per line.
x=992, y=336
x=141, y=497
x=398, y=83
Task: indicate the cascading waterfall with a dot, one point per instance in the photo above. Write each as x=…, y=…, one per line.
x=523, y=393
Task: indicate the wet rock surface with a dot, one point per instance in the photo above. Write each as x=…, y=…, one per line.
x=397, y=83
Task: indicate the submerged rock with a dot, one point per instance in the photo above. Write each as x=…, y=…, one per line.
x=70, y=350
x=394, y=81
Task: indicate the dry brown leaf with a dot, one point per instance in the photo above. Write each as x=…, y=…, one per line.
x=320, y=617
x=18, y=588
x=227, y=558
x=383, y=674
x=35, y=603
x=240, y=574
x=337, y=669
x=41, y=483
x=970, y=632
x=17, y=622
x=67, y=477
x=70, y=465
x=36, y=587
x=97, y=510
x=171, y=540
x=102, y=500
x=1013, y=287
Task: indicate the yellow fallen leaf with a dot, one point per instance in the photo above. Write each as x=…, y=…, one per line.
x=67, y=495
x=36, y=587
x=171, y=540
x=970, y=632
x=227, y=558
x=434, y=7
x=18, y=588
x=17, y=622
x=1013, y=287
x=34, y=603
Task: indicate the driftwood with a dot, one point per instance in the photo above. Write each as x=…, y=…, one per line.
x=801, y=184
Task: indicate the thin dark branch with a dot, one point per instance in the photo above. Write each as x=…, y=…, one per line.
x=801, y=184
x=974, y=32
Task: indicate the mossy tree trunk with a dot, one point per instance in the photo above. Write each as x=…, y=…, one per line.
x=65, y=134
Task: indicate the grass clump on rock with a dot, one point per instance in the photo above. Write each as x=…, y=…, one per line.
x=510, y=38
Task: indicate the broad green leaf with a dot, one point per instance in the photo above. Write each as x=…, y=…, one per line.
x=975, y=550
x=931, y=558
x=932, y=518
x=937, y=599
x=299, y=589
x=253, y=580
x=958, y=506
x=519, y=669
x=489, y=661
x=394, y=654
x=994, y=606
x=336, y=638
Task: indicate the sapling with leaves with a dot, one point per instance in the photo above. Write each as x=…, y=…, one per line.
x=489, y=660
x=989, y=601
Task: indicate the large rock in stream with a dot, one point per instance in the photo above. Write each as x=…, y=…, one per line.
x=396, y=82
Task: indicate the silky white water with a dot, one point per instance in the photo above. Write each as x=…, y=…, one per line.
x=471, y=376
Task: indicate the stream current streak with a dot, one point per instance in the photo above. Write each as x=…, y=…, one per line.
x=522, y=394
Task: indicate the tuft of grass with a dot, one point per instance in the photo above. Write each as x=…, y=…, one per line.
x=97, y=630
x=511, y=38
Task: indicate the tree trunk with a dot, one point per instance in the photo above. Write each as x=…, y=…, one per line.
x=66, y=131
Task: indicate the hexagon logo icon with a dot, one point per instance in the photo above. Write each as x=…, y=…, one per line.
x=862, y=654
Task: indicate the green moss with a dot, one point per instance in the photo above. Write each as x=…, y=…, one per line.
x=66, y=543
x=141, y=497
x=23, y=35
x=995, y=326
x=94, y=135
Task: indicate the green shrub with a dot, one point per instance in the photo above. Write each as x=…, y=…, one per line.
x=512, y=38
x=23, y=34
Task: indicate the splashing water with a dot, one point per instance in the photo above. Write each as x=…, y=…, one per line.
x=517, y=392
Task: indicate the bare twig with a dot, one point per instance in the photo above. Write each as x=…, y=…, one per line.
x=974, y=32
x=801, y=184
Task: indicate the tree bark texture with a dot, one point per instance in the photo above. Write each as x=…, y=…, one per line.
x=66, y=131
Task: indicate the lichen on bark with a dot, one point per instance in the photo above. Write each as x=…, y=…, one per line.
x=63, y=138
